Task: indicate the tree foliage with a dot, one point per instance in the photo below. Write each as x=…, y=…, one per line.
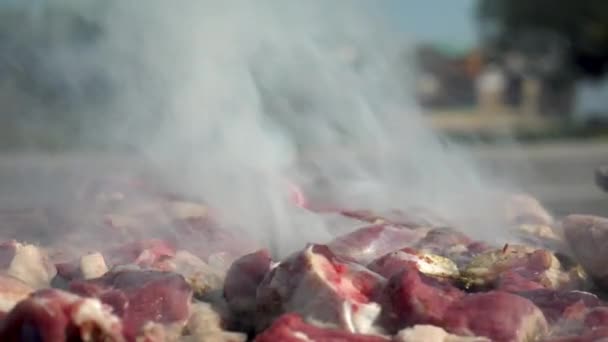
x=566, y=37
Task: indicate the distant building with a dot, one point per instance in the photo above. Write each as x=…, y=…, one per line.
x=446, y=76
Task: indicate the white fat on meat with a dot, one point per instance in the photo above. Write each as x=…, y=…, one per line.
x=429, y=263
x=92, y=310
x=431, y=333
x=319, y=300
x=31, y=265
x=93, y=266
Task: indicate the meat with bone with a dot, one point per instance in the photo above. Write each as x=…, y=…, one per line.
x=322, y=288
x=414, y=298
x=53, y=315
x=500, y=316
x=140, y=297
x=292, y=328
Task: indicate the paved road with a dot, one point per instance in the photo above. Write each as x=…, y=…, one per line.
x=560, y=175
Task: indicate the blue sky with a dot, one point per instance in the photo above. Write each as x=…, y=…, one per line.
x=442, y=21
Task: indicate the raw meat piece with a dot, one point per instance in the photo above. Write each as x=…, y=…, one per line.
x=413, y=298
x=140, y=297
x=151, y=253
x=291, y=328
x=369, y=243
x=444, y=238
x=452, y=244
x=597, y=318
x=322, y=288
x=202, y=278
x=500, y=316
x=53, y=315
x=66, y=272
x=12, y=291
x=594, y=335
x=557, y=305
x=517, y=280
x=143, y=253
x=205, y=240
x=242, y=281
x=205, y=324
x=431, y=333
x=30, y=264
x=588, y=238
x=412, y=218
x=517, y=265
x=426, y=263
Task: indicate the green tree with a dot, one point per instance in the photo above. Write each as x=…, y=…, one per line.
x=555, y=41
x=564, y=37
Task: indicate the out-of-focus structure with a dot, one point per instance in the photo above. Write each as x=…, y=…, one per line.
x=535, y=59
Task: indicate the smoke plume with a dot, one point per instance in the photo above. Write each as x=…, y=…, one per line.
x=235, y=100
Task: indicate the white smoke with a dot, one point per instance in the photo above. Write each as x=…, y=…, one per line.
x=232, y=99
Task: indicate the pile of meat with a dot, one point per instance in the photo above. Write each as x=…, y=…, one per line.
x=143, y=265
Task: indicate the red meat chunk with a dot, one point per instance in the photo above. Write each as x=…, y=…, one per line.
x=442, y=238
x=139, y=297
x=413, y=298
x=517, y=280
x=597, y=318
x=500, y=316
x=243, y=279
x=291, y=328
x=205, y=240
x=142, y=253
x=451, y=243
x=558, y=305
x=54, y=315
x=320, y=287
x=369, y=243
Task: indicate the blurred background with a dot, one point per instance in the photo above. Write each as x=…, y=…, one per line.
x=524, y=83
